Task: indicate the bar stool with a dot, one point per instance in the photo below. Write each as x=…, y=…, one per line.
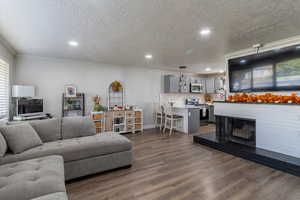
x=159, y=116
x=171, y=119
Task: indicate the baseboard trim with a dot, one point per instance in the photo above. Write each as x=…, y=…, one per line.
x=150, y=126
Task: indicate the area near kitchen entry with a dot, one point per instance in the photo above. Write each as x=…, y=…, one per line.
x=191, y=98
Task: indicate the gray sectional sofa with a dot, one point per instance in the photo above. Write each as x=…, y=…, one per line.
x=71, y=148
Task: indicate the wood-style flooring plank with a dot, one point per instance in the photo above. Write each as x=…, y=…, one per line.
x=173, y=168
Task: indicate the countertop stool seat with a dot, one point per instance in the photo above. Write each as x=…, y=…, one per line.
x=171, y=119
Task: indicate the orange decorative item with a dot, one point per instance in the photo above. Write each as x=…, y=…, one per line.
x=264, y=98
x=116, y=86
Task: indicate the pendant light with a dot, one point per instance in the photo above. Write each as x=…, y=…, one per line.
x=182, y=80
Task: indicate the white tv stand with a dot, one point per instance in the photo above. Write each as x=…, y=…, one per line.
x=30, y=117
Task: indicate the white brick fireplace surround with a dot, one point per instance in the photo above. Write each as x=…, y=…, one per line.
x=277, y=126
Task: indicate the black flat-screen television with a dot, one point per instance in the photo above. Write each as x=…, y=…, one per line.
x=30, y=106
x=275, y=70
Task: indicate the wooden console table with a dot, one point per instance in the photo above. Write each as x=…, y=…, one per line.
x=118, y=121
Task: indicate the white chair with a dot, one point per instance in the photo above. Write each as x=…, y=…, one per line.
x=171, y=119
x=159, y=116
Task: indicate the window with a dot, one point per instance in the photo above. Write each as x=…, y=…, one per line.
x=4, y=89
x=241, y=80
x=270, y=71
x=263, y=76
x=288, y=73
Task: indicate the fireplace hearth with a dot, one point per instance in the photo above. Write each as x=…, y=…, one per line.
x=238, y=130
x=241, y=131
x=269, y=137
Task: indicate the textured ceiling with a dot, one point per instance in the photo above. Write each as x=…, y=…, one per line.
x=120, y=32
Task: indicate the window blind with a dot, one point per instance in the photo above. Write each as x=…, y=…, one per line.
x=4, y=89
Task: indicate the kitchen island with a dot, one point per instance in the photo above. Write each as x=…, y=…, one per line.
x=191, y=118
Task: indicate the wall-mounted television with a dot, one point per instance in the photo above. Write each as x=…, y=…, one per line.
x=275, y=70
x=26, y=107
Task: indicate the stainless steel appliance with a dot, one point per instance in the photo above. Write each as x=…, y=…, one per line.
x=191, y=101
x=197, y=88
x=204, y=115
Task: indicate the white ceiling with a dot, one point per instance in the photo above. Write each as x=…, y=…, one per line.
x=120, y=32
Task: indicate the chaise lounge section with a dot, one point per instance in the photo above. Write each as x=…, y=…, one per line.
x=40, y=178
x=74, y=140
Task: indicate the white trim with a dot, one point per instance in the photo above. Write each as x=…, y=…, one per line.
x=150, y=126
x=7, y=45
x=267, y=47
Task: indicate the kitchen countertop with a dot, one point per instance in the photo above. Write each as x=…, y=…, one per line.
x=189, y=107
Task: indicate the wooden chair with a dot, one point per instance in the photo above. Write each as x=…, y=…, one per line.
x=171, y=119
x=159, y=116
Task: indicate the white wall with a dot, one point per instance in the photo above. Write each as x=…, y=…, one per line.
x=50, y=75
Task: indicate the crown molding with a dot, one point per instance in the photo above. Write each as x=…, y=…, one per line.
x=267, y=47
x=7, y=45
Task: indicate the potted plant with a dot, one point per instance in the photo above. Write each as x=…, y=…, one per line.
x=97, y=106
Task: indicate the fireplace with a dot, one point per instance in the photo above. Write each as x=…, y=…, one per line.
x=238, y=130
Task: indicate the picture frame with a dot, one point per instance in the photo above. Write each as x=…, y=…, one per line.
x=70, y=91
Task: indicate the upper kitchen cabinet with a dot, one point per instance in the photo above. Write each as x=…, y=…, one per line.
x=219, y=84
x=210, y=85
x=171, y=84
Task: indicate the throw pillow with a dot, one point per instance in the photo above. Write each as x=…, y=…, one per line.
x=20, y=137
x=47, y=129
x=73, y=127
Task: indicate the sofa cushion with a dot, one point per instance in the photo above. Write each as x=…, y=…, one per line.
x=20, y=137
x=75, y=148
x=48, y=129
x=3, y=145
x=73, y=127
x=32, y=178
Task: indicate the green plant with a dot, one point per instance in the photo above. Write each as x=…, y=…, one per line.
x=98, y=108
x=69, y=101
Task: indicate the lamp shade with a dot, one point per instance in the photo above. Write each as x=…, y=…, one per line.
x=23, y=91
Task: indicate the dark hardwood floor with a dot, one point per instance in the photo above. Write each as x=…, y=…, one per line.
x=172, y=167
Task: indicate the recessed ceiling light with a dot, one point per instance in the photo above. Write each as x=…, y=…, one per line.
x=73, y=43
x=208, y=69
x=221, y=71
x=243, y=61
x=148, y=56
x=205, y=31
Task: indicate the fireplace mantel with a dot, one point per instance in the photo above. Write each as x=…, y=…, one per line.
x=277, y=125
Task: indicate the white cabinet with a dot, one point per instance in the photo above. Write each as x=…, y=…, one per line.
x=210, y=85
x=219, y=84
